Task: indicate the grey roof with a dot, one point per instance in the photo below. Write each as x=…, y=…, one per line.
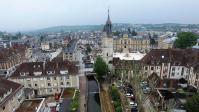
x=71, y=46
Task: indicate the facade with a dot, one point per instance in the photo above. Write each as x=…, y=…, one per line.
x=45, y=46
x=5, y=43
x=126, y=64
x=173, y=64
x=131, y=43
x=70, y=52
x=166, y=40
x=10, y=58
x=107, y=41
x=11, y=95
x=46, y=78
x=167, y=43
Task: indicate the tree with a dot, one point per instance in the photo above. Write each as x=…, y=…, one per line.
x=101, y=68
x=88, y=49
x=42, y=38
x=116, y=33
x=185, y=40
x=193, y=104
x=134, y=33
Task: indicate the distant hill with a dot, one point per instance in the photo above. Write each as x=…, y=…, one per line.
x=76, y=28
x=71, y=28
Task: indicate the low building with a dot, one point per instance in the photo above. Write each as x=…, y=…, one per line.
x=167, y=43
x=10, y=58
x=70, y=52
x=5, y=44
x=33, y=105
x=45, y=46
x=126, y=64
x=11, y=95
x=173, y=64
x=129, y=43
x=46, y=78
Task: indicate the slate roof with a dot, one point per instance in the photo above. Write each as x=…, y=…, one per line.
x=178, y=57
x=71, y=46
x=5, y=86
x=31, y=67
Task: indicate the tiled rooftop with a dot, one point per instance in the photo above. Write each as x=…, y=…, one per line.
x=45, y=67
x=29, y=106
x=6, y=86
x=71, y=46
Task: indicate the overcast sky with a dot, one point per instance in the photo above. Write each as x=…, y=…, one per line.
x=24, y=15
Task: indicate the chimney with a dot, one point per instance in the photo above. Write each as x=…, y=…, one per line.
x=57, y=65
x=44, y=65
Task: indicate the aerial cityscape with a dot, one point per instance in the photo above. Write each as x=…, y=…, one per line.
x=99, y=56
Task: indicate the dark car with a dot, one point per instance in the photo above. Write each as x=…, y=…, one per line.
x=134, y=110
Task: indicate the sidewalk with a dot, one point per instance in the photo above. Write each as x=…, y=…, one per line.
x=82, y=84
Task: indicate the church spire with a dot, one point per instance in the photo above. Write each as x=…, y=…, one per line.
x=108, y=25
x=108, y=15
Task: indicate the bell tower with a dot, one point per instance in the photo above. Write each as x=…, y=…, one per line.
x=107, y=42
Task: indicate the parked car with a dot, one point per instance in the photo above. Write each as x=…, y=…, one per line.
x=133, y=104
x=134, y=110
x=129, y=95
x=146, y=90
x=57, y=107
x=144, y=83
x=132, y=98
x=129, y=90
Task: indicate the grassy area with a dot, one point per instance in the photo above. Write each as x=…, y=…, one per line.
x=116, y=98
x=68, y=93
x=75, y=102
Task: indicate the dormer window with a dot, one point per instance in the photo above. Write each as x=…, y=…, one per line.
x=37, y=73
x=50, y=72
x=64, y=72
x=23, y=74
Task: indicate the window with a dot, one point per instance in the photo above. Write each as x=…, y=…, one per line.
x=173, y=69
x=61, y=83
x=124, y=46
x=4, y=107
x=55, y=78
x=152, y=68
x=29, y=85
x=182, y=72
x=146, y=68
x=49, y=84
x=48, y=78
x=35, y=85
x=173, y=73
x=68, y=83
x=50, y=90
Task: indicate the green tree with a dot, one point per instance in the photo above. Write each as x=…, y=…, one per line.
x=88, y=49
x=42, y=38
x=116, y=33
x=101, y=68
x=185, y=40
x=134, y=33
x=193, y=104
